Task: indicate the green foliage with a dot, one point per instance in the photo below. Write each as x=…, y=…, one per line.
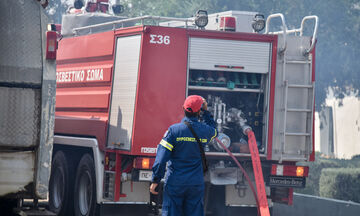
x=314, y=186
x=56, y=9
x=356, y=157
x=340, y=183
x=315, y=168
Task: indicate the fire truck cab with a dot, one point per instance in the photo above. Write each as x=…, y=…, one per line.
x=121, y=83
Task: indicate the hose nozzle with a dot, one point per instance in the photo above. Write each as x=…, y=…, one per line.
x=245, y=128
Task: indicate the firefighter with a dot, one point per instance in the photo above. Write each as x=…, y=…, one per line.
x=184, y=181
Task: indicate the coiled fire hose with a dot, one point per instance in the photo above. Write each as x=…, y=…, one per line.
x=260, y=197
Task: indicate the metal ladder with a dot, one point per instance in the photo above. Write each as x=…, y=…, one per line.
x=309, y=86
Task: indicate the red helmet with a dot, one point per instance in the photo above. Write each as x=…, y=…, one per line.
x=193, y=103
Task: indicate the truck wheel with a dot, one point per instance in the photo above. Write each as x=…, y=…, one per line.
x=85, y=188
x=60, y=185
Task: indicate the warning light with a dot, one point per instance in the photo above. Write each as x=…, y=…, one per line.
x=145, y=163
x=107, y=160
x=300, y=171
x=51, y=44
x=227, y=23
x=288, y=170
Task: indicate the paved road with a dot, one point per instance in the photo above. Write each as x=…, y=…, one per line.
x=112, y=210
x=126, y=210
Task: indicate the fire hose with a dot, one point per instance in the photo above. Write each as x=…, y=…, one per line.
x=260, y=197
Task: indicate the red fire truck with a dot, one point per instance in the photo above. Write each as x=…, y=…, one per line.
x=121, y=83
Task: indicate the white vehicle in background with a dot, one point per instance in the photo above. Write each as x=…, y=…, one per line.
x=27, y=101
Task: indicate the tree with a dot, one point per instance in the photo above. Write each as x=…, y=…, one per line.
x=57, y=8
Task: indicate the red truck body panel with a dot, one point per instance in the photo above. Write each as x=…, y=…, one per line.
x=161, y=88
x=82, y=102
x=84, y=79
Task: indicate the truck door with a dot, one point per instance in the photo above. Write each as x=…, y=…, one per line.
x=124, y=92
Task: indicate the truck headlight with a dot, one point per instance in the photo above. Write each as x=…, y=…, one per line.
x=258, y=22
x=201, y=18
x=117, y=9
x=78, y=4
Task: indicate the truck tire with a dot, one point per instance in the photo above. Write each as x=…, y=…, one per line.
x=60, y=186
x=85, y=188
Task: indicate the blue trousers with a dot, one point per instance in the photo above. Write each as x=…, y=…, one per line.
x=184, y=200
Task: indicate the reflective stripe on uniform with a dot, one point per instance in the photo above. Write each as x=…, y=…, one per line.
x=166, y=145
x=213, y=136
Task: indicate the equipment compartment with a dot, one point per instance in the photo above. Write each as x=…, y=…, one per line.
x=234, y=98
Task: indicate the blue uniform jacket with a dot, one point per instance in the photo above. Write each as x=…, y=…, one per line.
x=180, y=150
